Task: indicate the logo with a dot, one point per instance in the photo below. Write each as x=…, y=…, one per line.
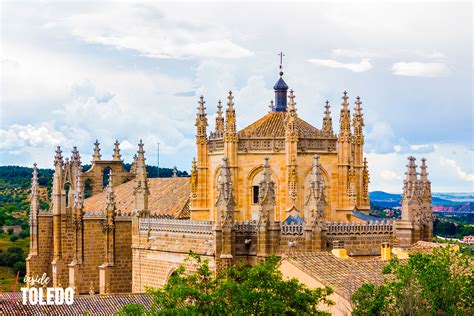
x=43, y=295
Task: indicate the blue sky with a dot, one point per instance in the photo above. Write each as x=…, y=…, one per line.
x=73, y=72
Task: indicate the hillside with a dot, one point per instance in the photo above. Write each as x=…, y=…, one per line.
x=463, y=202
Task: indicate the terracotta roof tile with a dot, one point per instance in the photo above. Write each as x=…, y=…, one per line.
x=168, y=196
x=273, y=125
x=343, y=275
x=92, y=305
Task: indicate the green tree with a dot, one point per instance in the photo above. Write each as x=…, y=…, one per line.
x=436, y=283
x=239, y=290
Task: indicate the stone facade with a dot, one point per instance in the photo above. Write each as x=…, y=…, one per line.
x=276, y=187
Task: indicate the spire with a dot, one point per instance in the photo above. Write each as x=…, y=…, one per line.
x=175, y=172
x=141, y=166
x=225, y=195
x=316, y=200
x=358, y=122
x=34, y=203
x=230, y=121
x=266, y=196
x=316, y=180
x=133, y=167
x=424, y=173
x=291, y=129
x=109, y=194
x=291, y=103
x=365, y=181
x=116, y=156
x=345, y=120
x=327, y=120
x=194, y=174
x=96, y=155
x=281, y=89
x=140, y=186
x=230, y=102
x=270, y=106
x=409, y=184
x=58, y=158
x=219, y=119
x=79, y=192
x=76, y=157
x=201, y=119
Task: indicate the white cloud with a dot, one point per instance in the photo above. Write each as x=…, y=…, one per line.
x=389, y=175
x=405, y=148
x=419, y=69
x=19, y=136
x=154, y=33
x=454, y=165
x=126, y=145
x=380, y=138
x=362, y=66
x=356, y=53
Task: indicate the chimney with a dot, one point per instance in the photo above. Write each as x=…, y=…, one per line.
x=338, y=249
x=385, y=251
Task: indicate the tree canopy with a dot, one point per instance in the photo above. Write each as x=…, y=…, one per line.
x=239, y=290
x=436, y=283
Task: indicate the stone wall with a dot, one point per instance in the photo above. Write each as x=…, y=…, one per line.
x=163, y=244
x=41, y=262
x=121, y=279
x=361, y=239
x=94, y=255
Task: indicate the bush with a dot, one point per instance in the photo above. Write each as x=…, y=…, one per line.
x=10, y=231
x=13, y=238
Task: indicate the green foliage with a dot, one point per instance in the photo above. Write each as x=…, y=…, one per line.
x=239, y=290
x=452, y=230
x=14, y=257
x=10, y=231
x=13, y=238
x=437, y=283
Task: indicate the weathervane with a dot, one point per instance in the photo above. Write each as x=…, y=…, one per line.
x=281, y=63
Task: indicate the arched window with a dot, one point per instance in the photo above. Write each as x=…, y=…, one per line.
x=67, y=188
x=87, y=188
x=105, y=176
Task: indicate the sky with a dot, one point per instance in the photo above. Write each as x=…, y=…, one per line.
x=73, y=72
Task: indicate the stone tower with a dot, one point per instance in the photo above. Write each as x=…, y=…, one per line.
x=417, y=219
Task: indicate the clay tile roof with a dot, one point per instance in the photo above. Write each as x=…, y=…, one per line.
x=168, y=196
x=343, y=275
x=425, y=246
x=273, y=125
x=83, y=305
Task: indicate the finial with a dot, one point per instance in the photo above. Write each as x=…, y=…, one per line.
x=358, y=108
x=230, y=102
x=110, y=195
x=201, y=108
x=281, y=63
x=424, y=174
x=270, y=106
x=219, y=107
x=291, y=103
x=116, y=156
x=175, y=172
x=96, y=155
x=58, y=158
x=35, y=173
